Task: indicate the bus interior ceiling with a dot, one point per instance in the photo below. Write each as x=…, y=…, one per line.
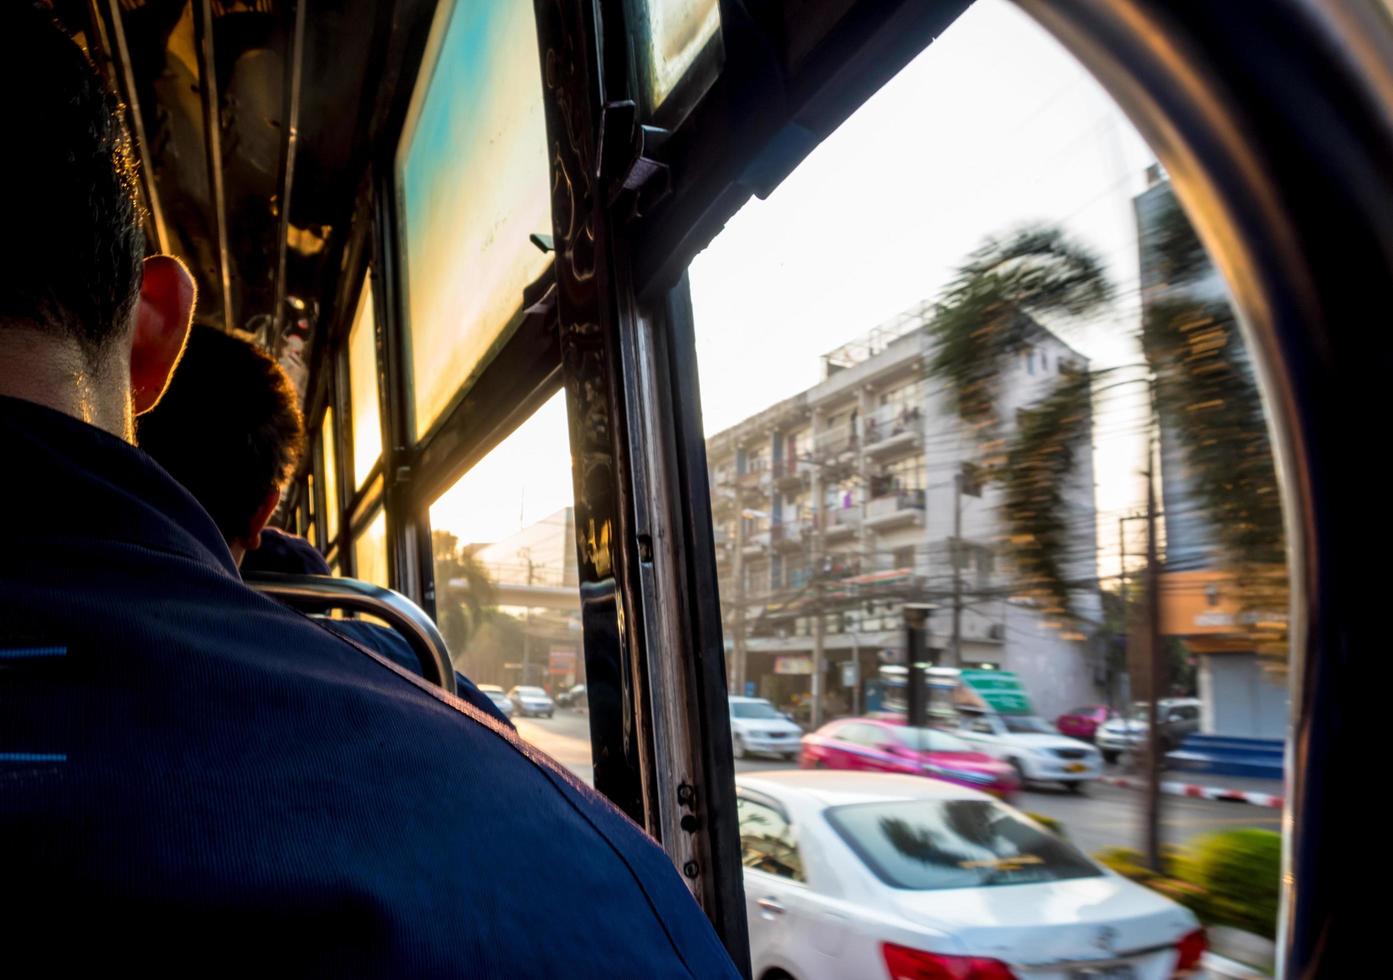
x=255, y=125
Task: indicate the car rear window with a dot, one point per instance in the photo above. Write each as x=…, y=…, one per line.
x=930, y=845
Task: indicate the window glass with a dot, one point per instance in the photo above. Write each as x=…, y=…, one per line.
x=676, y=32
x=928, y=845
x=311, y=504
x=766, y=840
x=370, y=552
x=507, y=584
x=931, y=740
x=331, y=477
x=474, y=184
x=362, y=388
x=1031, y=327
x=753, y=709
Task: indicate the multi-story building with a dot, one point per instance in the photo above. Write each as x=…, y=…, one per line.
x=1198, y=597
x=836, y=506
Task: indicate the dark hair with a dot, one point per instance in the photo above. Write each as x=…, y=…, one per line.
x=228, y=427
x=71, y=252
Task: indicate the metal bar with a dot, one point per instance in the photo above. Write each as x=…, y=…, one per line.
x=620, y=735
x=290, y=121
x=116, y=44
x=318, y=593
x=212, y=143
x=723, y=883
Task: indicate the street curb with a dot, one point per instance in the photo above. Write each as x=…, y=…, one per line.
x=1198, y=791
x=1219, y=966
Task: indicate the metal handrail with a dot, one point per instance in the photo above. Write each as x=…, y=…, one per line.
x=321, y=593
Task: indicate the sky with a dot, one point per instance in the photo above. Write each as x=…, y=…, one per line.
x=994, y=125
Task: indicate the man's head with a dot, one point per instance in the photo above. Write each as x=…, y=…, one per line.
x=229, y=429
x=88, y=325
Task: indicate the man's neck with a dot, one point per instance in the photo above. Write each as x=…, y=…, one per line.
x=53, y=371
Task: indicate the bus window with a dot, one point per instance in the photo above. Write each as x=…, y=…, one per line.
x=507, y=592
x=370, y=552
x=330, y=462
x=676, y=37
x=363, y=401
x=473, y=186
x=963, y=356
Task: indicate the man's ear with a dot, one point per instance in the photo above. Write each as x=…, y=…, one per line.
x=167, y=294
x=259, y=519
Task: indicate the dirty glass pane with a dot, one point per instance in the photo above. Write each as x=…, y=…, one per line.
x=473, y=185
x=331, y=478
x=677, y=33
x=507, y=586
x=362, y=388
x=370, y=552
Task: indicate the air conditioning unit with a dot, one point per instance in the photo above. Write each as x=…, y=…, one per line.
x=997, y=631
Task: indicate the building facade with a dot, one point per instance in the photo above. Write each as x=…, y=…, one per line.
x=1240, y=696
x=834, y=508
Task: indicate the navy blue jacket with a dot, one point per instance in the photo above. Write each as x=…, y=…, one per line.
x=195, y=779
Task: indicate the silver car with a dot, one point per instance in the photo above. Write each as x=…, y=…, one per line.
x=1179, y=717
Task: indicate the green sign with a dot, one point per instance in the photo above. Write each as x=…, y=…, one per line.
x=999, y=689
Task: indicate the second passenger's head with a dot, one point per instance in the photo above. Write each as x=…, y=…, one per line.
x=229, y=429
x=88, y=325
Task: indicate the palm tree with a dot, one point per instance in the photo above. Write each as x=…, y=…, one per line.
x=1201, y=391
x=464, y=594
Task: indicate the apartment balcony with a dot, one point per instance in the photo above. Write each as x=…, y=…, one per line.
x=841, y=523
x=834, y=444
x=788, y=536
x=893, y=430
x=791, y=473
x=901, y=509
x=756, y=543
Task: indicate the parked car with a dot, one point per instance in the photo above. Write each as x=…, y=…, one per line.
x=1179, y=717
x=1083, y=723
x=532, y=701
x=757, y=726
x=573, y=698
x=851, y=874
x=1036, y=751
x=872, y=745
x=500, y=700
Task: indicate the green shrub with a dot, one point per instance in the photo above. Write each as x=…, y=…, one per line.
x=1229, y=878
x=1240, y=874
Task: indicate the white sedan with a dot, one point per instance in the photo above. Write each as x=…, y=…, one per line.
x=873, y=875
x=1037, y=750
x=532, y=701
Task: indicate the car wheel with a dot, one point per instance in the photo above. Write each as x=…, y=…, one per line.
x=738, y=746
x=1110, y=757
x=548, y=714
x=790, y=756
x=1075, y=786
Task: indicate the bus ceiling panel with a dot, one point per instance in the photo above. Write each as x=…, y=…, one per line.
x=792, y=74
x=255, y=122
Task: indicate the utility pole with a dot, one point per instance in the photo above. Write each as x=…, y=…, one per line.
x=1156, y=672
x=1122, y=598
x=957, y=552
x=526, y=555
x=815, y=570
x=737, y=567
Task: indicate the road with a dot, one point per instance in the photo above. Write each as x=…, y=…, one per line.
x=1105, y=817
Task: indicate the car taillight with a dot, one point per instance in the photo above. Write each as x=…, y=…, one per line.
x=1191, y=949
x=917, y=964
